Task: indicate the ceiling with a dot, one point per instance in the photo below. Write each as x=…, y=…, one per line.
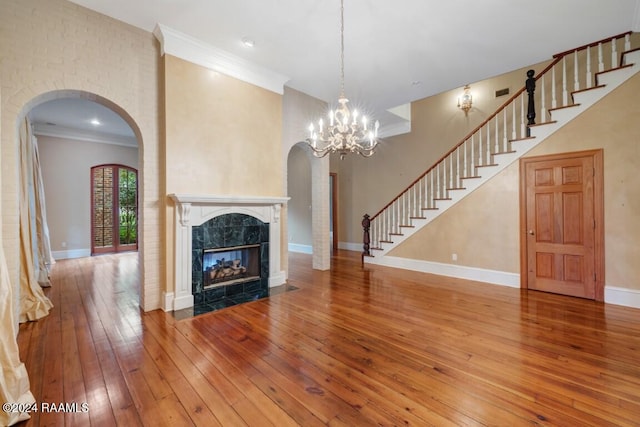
x=395, y=51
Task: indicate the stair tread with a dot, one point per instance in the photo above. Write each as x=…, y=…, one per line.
x=497, y=161
x=522, y=139
x=561, y=108
x=545, y=123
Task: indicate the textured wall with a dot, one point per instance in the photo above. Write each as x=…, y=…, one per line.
x=223, y=137
x=487, y=237
x=54, y=48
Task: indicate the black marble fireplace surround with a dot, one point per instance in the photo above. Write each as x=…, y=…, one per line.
x=226, y=231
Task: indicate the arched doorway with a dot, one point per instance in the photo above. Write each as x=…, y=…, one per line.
x=318, y=209
x=76, y=131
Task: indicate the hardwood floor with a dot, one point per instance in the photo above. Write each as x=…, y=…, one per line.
x=353, y=346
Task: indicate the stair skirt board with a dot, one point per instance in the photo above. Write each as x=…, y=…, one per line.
x=583, y=100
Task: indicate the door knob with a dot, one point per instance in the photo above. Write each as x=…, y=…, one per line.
x=531, y=232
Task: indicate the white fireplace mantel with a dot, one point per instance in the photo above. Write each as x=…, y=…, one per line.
x=194, y=210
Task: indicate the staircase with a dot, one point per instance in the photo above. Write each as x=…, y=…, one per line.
x=574, y=81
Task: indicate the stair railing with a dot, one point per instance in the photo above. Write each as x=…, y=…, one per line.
x=494, y=136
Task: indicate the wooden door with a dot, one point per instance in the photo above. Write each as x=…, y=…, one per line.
x=562, y=224
x=114, y=209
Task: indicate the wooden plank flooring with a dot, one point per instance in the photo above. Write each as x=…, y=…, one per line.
x=351, y=346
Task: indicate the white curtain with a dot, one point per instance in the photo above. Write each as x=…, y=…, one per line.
x=43, y=258
x=14, y=381
x=33, y=263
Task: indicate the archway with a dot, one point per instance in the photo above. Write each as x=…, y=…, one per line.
x=68, y=152
x=320, y=203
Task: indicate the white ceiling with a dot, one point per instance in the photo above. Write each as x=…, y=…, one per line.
x=395, y=51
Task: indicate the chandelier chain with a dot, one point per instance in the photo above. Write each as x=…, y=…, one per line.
x=342, y=48
x=347, y=131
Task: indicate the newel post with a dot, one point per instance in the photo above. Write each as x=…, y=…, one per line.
x=366, y=225
x=531, y=107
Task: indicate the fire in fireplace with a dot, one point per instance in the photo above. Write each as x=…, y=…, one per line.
x=225, y=266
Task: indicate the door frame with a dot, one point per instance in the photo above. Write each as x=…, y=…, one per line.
x=598, y=213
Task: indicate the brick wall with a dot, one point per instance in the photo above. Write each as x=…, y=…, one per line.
x=53, y=48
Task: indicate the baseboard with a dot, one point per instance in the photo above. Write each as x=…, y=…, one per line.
x=303, y=249
x=71, y=253
x=277, y=279
x=450, y=270
x=622, y=296
x=167, y=301
x=349, y=246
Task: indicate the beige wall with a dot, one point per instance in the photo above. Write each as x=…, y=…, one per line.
x=223, y=137
x=483, y=228
x=299, y=110
x=54, y=48
x=299, y=189
x=66, y=172
x=367, y=185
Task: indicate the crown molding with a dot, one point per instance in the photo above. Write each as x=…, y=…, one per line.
x=183, y=46
x=42, y=129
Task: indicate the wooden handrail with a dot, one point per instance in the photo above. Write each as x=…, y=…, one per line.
x=469, y=135
x=556, y=58
x=586, y=46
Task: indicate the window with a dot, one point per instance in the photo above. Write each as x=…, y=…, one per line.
x=114, y=209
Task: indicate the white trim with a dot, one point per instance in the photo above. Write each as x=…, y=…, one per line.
x=43, y=129
x=71, y=253
x=193, y=50
x=167, y=301
x=193, y=210
x=622, y=296
x=494, y=277
x=302, y=249
x=350, y=246
x=227, y=200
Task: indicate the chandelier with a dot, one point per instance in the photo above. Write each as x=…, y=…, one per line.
x=343, y=133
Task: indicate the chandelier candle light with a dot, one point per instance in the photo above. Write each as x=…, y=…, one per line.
x=344, y=133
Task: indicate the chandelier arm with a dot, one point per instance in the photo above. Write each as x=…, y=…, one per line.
x=344, y=133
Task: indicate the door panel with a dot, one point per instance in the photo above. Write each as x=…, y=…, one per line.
x=559, y=221
x=114, y=194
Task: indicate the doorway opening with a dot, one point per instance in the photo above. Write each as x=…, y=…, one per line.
x=114, y=209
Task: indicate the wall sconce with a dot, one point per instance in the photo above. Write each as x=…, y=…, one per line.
x=466, y=101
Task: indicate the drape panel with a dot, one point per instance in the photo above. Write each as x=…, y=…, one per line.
x=14, y=381
x=33, y=303
x=39, y=220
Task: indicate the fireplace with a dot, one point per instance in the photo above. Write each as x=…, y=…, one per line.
x=226, y=266
x=230, y=259
x=222, y=226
